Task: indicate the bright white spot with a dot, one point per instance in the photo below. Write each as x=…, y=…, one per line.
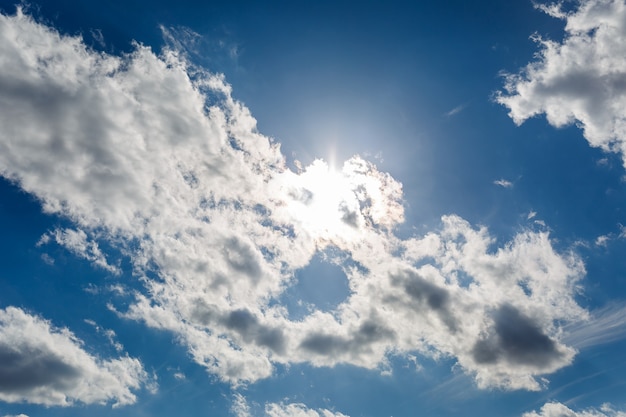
x=323, y=201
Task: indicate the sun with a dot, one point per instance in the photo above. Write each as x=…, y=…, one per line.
x=323, y=201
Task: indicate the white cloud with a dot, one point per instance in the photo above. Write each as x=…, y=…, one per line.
x=458, y=109
x=581, y=79
x=503, y=183
x=46, y=365
x=108, y=333
x=556, y=409
x=18, y=415
x=154, y=157
x=240, y=408
x=297, y=410
x=77, y=242
x=602, y=240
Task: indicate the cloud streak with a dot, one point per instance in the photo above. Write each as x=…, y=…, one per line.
x=604, y=326
x=153, y=156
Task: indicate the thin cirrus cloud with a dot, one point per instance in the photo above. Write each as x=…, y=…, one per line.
x=152, y=156
x=579, y=80
x=44, y=365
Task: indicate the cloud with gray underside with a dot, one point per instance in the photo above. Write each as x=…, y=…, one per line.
x=579, y=80
x=41, y=364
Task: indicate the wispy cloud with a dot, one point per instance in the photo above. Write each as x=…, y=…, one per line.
x=458, y=109
x=77, y=242
x=503, y=183
x=602, y=240
x=604, y=326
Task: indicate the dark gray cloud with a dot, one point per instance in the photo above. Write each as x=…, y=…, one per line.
x=517, y=339
x=425, y=295
x=359, y=341
x=28, y=369
x=243, y=322
x=324, y=344
x=248, y=327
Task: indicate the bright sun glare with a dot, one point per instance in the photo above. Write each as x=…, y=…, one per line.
x=324, y=202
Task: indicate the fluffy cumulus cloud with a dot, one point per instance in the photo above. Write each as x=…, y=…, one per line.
x=43, y=365
x=580, y=79
x=559, y=410
x=153, y=156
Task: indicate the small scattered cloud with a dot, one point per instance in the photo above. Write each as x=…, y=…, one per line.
x=298, y=410
x=98, y=37
x=108, y=333
x=531, y=215
x=556, y=409
x=47, y=259
x=503, y=183
x=239, y=406
x=458, y=109
x=602, y=240
x=77, y=242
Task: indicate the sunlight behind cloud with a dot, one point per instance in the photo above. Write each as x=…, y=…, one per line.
x=324, y=202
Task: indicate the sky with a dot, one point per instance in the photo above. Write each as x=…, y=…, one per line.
x=312, y=209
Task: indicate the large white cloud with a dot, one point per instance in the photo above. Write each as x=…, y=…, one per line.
x=154, y=157
x=41, y=364
x=581, y=79
x=556, y=409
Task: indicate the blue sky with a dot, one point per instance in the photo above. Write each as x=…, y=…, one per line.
x=319, y=209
